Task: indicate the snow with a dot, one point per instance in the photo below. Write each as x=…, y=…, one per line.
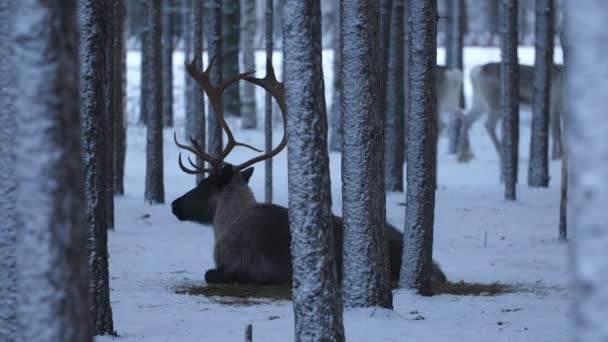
x=478, y=238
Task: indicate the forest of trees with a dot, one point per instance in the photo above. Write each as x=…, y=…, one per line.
x=63, y=139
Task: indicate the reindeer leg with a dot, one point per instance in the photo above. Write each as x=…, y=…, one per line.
x=490, y=124
x=556, y=134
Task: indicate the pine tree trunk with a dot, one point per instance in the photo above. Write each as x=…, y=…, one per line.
x=538, y=171
x=395, y=123
x=155, y=190
x=366, y=275
x=406, y=75
x=335, y=112
x=8, y=224
x=213, y=14
x=316, y=295
x=563, y=201
x=189, y=84
x=110, y=108
x=587, y=150
x=95, y=43
x=248, y=32
x=509, y=97
x=454, y=49
x=119, y=93
x=268, y=41
x=420, y=194
x=143, y=96
x=198, y=122
x=167, y=63
x=52, y=262
x=231, y=35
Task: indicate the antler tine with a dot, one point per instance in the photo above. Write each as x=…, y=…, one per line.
x=277, y=91
x=197, y=150
x=197, y=170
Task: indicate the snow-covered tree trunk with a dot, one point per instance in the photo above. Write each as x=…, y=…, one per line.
x=8, y=284
x=50, y=209
x=197, y=117
x=453, y=58
x=395, y=120
x=248, y=32
x=213, y=16
x=155, y=189
x=420, y=193
x=317, y=300
x=119, y=120
x=167, y=63
x=509, y=97
x=231, y=31
x=538, y=168
x=269, y=46
x=587, y=75
x=335, y=112
x=366, y=274
x=143, y=96
x=94, y=39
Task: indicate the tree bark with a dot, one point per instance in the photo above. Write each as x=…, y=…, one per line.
x=155, y=190
x=119, y=92
x=107, y=117
x=563, y=202
x=268, y=42
x=335, y=112
x=95, y=43
x=538, y=169
x=420, y=195
x=167, y=56
x=231, y=29
x=509, y=97
x=395, y=121
x=8, y=224
x=248, y=32
x=587, y=150
x=189, y=84
x=316, y=295
x=214, y=50
x=51, y=264
x=143, y=96
x=366, y=274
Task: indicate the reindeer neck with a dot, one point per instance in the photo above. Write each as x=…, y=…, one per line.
x=232, y=202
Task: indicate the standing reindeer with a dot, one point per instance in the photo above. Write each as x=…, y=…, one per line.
x=252, y=240
x=485, y=80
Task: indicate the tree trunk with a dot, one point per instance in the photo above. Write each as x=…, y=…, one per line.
x=231, y=35
x=335, y=112
x=395, y=123
x=167, y=63
x=119, y=92
x=214, y=50
x=143, y=96
x=420, y=195
x=509, y=97
x=94, y=123
x=406, y=75
x=316, y=295
x=52, y=261
x=110, y=108
x=366, y=274
x=189, y=84
x=454, y=49
x=248, y=32
x=586, y=82
x=268, y=41
x=197, y=117
x=155, y=190
x=538, y=171
x=8, y=224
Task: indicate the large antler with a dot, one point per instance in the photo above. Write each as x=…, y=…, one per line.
x=214, y=94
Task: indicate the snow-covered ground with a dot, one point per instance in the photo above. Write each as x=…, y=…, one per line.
x=478, y=238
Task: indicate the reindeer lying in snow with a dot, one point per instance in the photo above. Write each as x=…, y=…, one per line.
x=485, y=80
x=252, y=240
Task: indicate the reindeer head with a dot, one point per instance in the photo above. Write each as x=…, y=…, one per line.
x=199, y=204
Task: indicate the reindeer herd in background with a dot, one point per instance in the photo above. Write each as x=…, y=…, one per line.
x=252, y=240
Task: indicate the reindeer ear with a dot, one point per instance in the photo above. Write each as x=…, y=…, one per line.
x=225, y=176
x=246, y=174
